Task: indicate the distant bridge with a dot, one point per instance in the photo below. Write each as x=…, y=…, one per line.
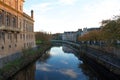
x=66, y=42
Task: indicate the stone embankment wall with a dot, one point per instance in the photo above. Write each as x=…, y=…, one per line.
x=109, y=62
x=4, y=60
x=110, y=50
x=25, y=60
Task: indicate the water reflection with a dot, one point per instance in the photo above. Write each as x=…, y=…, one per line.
x=62, y=65
x=44, y=57
x=66, y=49
x=58, y=63
x=27, y=73
x=86, y=70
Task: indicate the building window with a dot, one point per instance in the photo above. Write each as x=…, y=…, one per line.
x=15, y=37
x=8, y=36
x=23, y=25
x=24, y=36
x=13, y=22
x=15, y=45
x=0, y=35
x=2, y=47
x=3, y=36
x=7, y=20
x=24, y=45
x=1, y=17
x=20, y=36
x=20, y=7
x=9, y=46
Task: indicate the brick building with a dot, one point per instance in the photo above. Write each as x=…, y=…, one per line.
x=16, y=27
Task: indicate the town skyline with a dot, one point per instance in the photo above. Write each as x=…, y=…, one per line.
x=57, y=16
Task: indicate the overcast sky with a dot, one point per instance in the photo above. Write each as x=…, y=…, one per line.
x=70, y=15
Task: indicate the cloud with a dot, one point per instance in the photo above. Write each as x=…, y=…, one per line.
x=67, y=2
x=59, y=15
x=69, y=72
x=44, y=67
x=42, y=7
x=103, y=9
x=64, y=62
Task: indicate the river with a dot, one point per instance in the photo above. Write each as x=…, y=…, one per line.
x=58, y=63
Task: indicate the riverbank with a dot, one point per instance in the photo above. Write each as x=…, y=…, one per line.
x=110, y=63
x=28, y=57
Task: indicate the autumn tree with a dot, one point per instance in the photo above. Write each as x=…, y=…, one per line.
x=57, y=36
x=42, y=37
x=111, y=30
x=94, y=35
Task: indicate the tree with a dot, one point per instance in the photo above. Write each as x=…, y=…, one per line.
x=42, y=37
x=112, y=29
x=94, y=35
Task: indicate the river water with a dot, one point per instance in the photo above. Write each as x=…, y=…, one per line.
x=58, y=63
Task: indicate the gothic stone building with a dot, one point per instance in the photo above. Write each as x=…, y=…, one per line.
x=16, y=27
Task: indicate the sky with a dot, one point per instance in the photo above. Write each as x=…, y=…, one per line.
x=57, y=16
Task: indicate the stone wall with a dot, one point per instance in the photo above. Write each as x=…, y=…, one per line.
x=6, y=59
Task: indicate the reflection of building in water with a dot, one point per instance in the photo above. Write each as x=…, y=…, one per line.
x=66, y=49
x=16, y=27
x=27, y=73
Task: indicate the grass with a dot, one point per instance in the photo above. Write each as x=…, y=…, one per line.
x=16, y=63
x=28, y=56
x=38, y=42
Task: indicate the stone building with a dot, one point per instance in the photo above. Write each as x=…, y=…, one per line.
x=86, y=30
x=16, y=27
x=69, y=36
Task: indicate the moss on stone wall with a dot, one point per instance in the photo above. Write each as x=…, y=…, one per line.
x=29, y=55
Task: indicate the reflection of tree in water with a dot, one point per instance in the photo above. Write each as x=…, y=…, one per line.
x=67, y=49
x=44, y=57
x=27, y=73
x=86, y=70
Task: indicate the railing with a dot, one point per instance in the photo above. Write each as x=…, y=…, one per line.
x=13, y=29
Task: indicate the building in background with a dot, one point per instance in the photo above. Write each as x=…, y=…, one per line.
x=69, y=36
x=86, y=30
x=73, y=36
x=16, y=27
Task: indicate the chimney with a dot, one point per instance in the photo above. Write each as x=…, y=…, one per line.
x=32, y=14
